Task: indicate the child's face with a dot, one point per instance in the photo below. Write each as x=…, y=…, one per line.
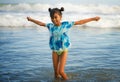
x=56, y=19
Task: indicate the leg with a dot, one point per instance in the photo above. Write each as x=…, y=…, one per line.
x=63, y=58
x=55, y=58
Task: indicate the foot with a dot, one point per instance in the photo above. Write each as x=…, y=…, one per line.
x=64, y=76
x=57, y=76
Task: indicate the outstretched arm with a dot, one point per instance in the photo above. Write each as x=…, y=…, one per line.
x=35, y=21
x=86, y=20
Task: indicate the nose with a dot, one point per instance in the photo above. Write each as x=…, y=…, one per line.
x=53, y=19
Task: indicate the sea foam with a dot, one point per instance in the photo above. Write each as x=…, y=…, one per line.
x=15, y=14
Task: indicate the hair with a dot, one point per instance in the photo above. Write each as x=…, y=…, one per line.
x=55, y=10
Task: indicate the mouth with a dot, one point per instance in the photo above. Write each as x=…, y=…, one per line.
x=56, y=23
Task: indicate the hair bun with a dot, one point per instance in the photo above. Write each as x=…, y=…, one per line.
x=62, y=9
x=49, y=9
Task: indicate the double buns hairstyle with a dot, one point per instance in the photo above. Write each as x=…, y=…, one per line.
x=55, y=10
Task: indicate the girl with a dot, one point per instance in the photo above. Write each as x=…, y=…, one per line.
x=59, y=41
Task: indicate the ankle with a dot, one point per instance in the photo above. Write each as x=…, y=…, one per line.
x=64, y=76
x=57, y=75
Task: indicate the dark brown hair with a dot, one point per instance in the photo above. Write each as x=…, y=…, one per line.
x=55, y=10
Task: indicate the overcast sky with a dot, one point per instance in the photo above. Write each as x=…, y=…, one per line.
x=109, y=2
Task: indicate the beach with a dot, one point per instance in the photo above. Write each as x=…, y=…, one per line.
x=25, y=56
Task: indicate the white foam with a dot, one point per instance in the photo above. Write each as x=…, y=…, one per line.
x=14, y=20
x=24, y=7
x=15, y=15
x=69, y=7
x=18, y=20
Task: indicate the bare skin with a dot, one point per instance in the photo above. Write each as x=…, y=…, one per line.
x=36, y=21
x=60, y=61
x=80, y=22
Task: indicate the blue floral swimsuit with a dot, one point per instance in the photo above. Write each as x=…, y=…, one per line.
x=59, y=40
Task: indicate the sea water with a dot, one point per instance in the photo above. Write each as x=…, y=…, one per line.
x=25, y=56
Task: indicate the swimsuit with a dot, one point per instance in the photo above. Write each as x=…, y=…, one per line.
x=59, y=40
x=59, y=52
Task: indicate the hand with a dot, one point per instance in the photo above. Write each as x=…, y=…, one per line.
x=96, y=18
x=29, y=18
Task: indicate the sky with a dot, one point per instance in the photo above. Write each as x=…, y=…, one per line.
x=109, y=2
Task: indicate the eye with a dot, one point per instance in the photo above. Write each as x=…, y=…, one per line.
x=55, y=17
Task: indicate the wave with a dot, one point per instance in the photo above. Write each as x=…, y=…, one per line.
x=90, y=8
x=15, y=14
x=16, y=20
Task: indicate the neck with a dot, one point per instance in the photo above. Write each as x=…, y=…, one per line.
x=58, y=24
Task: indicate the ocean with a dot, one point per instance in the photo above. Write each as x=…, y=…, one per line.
x=25, y=55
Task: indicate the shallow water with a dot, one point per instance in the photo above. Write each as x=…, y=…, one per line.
x=93, y=57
